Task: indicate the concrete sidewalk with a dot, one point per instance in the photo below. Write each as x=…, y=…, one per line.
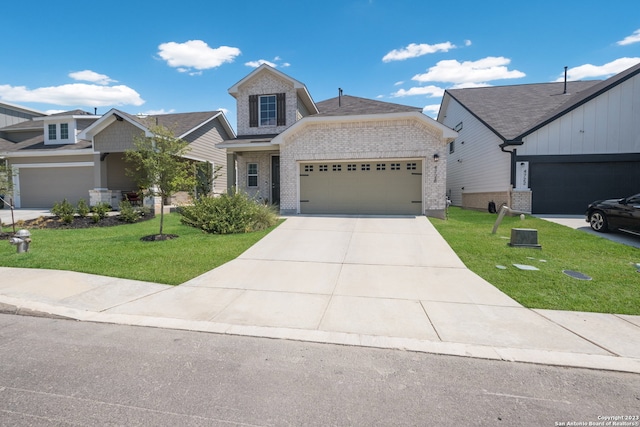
x=388, y=282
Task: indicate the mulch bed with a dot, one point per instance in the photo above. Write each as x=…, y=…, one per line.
x=52, y=222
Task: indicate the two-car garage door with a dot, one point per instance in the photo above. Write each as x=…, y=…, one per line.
x=42, y=187
x=390, y=187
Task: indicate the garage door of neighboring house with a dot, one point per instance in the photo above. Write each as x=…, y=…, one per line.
x=42, y=187
x=390, y=187
x=568, y=187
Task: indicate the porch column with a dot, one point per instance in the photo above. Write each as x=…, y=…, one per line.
x=99, y=171
x=231, y=172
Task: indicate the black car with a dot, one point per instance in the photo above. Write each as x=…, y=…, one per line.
x=615, y=214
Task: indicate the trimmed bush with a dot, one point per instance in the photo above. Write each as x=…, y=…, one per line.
x=100, y=211
x=227, y=214
x=64, y=210
x=82, y=208
x=128, y=213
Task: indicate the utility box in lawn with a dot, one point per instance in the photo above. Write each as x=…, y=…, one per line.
x=524, y=238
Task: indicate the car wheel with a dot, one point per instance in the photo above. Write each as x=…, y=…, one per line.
x=598, y=221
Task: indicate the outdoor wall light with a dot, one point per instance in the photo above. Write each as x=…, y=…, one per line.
x=436, y=157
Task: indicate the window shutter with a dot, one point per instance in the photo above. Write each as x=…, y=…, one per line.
x=281, y=109
x=253, y=111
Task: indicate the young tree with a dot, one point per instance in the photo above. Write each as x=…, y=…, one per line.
x=158, y=166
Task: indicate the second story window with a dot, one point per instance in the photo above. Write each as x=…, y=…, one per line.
x=52, y=132
x=268, y=110
x=64, y=131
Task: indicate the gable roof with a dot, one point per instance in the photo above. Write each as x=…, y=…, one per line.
x=347, y=105
x=300, y=87
x=509, y=111
x=584, y=96
x=181, y=124
x=20, y=108
x=513, y=112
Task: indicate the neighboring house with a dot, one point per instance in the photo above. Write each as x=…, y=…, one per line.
x=77, y=155
x=11, y=114
x=544, y=148
x=345, y=155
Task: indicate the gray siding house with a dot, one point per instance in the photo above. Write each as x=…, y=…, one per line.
x=77, y=155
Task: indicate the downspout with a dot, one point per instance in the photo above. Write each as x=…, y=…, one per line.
x=504, y=145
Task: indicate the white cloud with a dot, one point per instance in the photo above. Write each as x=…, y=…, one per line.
x=414, y=50
x=259, y=62
x=467, y=42
x=80, y=94
x=225, y=111
x=156, y=112
x=606, y=70
x=196, y=54
x=431, y=110
x=633, y=38
x=430, y=91
x=480, y=71
x=273, y=63
x=91, y=76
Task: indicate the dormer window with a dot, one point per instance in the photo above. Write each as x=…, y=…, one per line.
x=267, y=110
x=60, y=133
x=53, y=134
x=64, y=130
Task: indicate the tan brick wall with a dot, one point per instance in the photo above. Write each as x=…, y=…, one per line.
x=515, y=199
x=480, y=201
x=521, y=200
x=365, y=139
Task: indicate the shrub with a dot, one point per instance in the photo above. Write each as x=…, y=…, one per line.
x=226, y=214
x=64, y=210
x=128, y=213
x=100, y=211
x=82, y=208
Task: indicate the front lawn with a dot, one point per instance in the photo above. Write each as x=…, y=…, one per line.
x=615, y=284
x=118, y=252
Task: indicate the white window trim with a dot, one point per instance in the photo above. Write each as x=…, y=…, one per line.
x=275, y=117
x=249, y=175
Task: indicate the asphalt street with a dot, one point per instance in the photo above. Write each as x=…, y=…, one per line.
x=62, y=372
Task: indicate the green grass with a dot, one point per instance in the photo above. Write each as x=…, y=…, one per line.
x=118, y=252
x=615, y=287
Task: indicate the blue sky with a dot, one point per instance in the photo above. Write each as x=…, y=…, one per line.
x=181, y=56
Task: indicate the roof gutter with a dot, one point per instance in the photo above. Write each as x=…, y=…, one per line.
x=503, y=146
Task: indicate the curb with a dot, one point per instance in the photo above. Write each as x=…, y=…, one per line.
x=532, y=356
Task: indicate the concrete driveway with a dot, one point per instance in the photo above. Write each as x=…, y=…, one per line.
x=577, y=222
x=363, y=276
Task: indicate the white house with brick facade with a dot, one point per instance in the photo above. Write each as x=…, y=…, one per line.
x=549, y=148
x=345, y=155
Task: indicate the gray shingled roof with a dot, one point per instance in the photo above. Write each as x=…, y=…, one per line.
x=584, y=96
x=37, y=143
x=179, y=123
x=511, y=110
x=347, y=105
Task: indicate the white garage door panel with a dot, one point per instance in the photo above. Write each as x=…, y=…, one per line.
x=42, y=187
x=375, y=187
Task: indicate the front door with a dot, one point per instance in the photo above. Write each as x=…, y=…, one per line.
x=275, y=180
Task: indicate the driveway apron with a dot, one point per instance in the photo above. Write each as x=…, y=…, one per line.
x=372, y=276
